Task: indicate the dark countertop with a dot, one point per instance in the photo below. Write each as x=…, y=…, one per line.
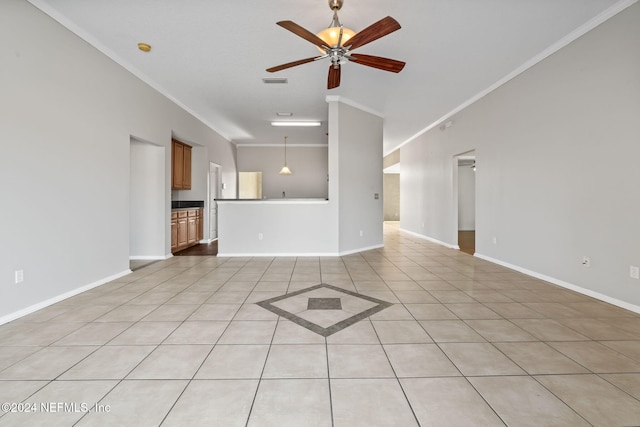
x=184, y=209
x=286, y=199
x=187, y=204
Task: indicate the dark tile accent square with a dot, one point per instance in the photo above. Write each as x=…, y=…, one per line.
x=324, y=304
x=378, y=306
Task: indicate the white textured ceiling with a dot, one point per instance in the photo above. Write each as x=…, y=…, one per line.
x=210, y=55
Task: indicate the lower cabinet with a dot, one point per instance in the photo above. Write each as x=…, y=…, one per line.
x=192, y=228
x=174, y=231
x=186, y=228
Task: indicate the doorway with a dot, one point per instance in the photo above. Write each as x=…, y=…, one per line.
x=465, y=179
x=215, y=179
x=147, y=201
x=391, y=192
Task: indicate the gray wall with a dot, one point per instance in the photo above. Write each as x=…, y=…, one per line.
x=309, y=166
x=359, y=177
x=68, y=114
x=391, y=159
x=557, y=153
x=391, y=196
x=466, y=198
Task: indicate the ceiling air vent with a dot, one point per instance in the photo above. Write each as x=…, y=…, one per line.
x=271, y=81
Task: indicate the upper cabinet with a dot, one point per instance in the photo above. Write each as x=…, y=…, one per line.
x=180, y=166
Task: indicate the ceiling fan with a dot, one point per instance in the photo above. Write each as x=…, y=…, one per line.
x=337, y=42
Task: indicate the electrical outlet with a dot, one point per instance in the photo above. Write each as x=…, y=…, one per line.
x=260, y=236
x=634, y=272
x=495, y=240
x=19, y=276
x=586, y=261
x=361, y=233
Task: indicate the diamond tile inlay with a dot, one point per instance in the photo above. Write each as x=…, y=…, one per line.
x=324, y=304
x=324, y=309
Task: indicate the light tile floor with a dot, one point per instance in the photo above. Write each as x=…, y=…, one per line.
x=466, y=343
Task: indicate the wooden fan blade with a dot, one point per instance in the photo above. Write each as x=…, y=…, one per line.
x=378, y=62
x=334, y=77
x=301, y=32
x=292, y=64
x=373, y=32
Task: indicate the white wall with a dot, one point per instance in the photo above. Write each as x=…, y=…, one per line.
x=466, y=198
x=360, y=177
x=146, y=200
x=557, y=152
x=308, y=164
x=278, y=227
x=319, y=227
x=67, y=113
x=391, y=207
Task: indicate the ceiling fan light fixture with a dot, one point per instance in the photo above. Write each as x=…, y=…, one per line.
x=331, y=36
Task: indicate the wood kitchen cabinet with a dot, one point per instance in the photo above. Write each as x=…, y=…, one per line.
x=174, y=231
x=180, y=165
x=186, y=228
x=200, y=224
x=192, y=228
x=183, y=240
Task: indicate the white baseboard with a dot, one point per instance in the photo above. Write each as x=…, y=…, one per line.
x=567, y=285
x=354, y=251
x=431, y=239
x=149, y=257
x=562, y=283
x=28, y=310
x=278, y=254
x=297, y=254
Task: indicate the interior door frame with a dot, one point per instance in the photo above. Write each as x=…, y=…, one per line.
x=214, y=190
x=470, y=154
x=148, y=222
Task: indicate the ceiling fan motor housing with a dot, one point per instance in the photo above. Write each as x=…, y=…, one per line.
x=336, y=4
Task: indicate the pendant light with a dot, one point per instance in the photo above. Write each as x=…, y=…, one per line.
x=285, y=169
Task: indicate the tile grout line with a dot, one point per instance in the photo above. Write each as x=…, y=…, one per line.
x=266, y=359
x=143, y=359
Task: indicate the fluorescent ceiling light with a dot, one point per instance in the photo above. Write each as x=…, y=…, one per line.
x=292, y=123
